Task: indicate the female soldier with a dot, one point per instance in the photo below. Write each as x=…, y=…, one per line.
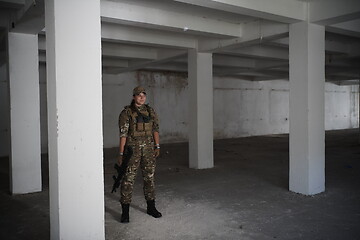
x=139, y=130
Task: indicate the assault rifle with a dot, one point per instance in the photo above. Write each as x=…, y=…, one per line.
x=122, y=168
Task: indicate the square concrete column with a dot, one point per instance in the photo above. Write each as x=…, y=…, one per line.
x=307, y=127
x=73, y=53
x=25, y=155
x=201, y=110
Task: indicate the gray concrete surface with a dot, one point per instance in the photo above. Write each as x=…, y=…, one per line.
x=245, y=196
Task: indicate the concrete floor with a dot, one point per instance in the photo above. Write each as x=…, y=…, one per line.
x=245, y=196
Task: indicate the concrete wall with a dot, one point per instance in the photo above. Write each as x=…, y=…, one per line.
x=341, y=107
x=244, y=108
x=241, y=108
x=167, y=93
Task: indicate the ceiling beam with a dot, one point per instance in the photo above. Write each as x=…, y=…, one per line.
x=254, y=66
x=230, y=61
x=331, y=47
x=220, y=60
x=12, y=4
x=120, y=63
x=341, y=69
x=328, y=12
x=261, y=52
x=236, y=76
x=155, y=18
x=353, y=25
x=347, y=75
x=228, y=71
x=262, y=65
x=349, y=28
x=269, y=78
x=351, y=82
x=156, y=38
x=31, y=18
x=116, y=50
x=128, y=51
x=342, y=78
x=163, y=57
x=275, y=10
x=275, y=73
x=252, y=33
x=173, y=67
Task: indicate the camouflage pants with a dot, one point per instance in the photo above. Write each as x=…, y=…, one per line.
x=143, y=156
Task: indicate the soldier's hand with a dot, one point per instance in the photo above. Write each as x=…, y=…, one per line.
x=156, y=152
x=120, y=160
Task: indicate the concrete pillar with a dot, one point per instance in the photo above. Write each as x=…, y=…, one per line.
x=200, y=109
x=25, y=153
x=307, y=127
x=73, y=53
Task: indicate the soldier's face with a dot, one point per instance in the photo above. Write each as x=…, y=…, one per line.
x=140, y=99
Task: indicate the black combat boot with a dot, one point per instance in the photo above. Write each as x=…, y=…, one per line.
x=151, y=209
x=125, y=213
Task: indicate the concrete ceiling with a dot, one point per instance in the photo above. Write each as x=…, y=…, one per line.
x=248, y=38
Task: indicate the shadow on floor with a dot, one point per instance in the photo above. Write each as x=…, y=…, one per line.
x=245, y=196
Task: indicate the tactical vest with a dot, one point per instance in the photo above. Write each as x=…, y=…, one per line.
x=140, y=129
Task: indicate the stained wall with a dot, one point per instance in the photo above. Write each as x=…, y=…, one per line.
x=241, y=108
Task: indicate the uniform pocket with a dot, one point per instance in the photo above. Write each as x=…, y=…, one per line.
x=148, y=126
x=140, y=127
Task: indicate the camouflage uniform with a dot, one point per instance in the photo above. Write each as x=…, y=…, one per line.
x=140, y=139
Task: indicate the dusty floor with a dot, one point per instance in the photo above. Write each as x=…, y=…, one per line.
x=245, y=196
